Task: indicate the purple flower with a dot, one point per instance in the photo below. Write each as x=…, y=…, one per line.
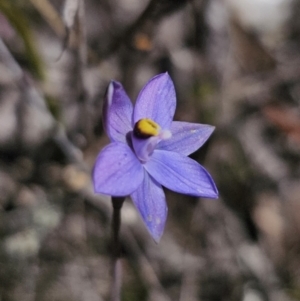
x=149, y=150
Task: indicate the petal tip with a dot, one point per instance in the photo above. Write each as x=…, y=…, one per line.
x=215, y=192
x=155, y=233
x=212, y=127
x=115, y=84
x=215, y=196
x=156, y=228
x=112, y=87
x=156, y=239
x=209, y=130
x=167, y=76
x=109, y=94
x=161, y=76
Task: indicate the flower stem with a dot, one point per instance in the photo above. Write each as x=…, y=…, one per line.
x=117, y=203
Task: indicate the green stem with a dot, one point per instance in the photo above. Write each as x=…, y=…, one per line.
x=117, y=203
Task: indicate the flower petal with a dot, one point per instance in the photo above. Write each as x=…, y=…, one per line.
x=186, y=137
x=150, y=201
x=117, y=112
x=117, y=171
x=181, y=174
x=157, y=101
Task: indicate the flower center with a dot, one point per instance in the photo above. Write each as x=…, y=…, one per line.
x=146, y=128
x=145, y=137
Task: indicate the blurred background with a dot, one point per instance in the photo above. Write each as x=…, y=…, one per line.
x=235, y=65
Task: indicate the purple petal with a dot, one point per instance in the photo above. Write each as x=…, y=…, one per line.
x=117, y=113
x=157, y=101
x=181, y=174
x=117, y=171
x=150, y=201
x=186, y=137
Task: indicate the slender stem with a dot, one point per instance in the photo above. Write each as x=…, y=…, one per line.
x=117, y=203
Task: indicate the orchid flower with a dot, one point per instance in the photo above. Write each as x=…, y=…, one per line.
x=149, y=150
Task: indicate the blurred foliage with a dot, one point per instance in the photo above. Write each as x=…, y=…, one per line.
x=19, y=21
